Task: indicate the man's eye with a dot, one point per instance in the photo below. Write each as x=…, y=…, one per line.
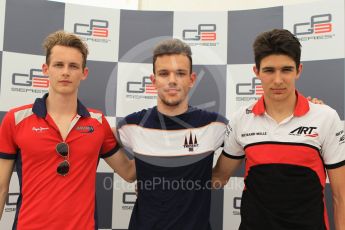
x=163, y=74
x=287, y=70
x=268, y=70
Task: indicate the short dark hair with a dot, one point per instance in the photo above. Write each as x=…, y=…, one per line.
x=63, y=38
x=277, y=41
x=172, y=46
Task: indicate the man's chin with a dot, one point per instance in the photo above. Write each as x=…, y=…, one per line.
x=279, y=97
x=171, y=103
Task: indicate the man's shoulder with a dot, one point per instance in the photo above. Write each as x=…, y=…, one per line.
x=243, y=111
x=322, y=111
x=206, y=115
x=137, y=117
x=20, y=111
x=21, y=108
x=320, y=107
x=17, y=114
x=95, y=114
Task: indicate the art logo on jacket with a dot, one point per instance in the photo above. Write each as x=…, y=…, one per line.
x=306, y=131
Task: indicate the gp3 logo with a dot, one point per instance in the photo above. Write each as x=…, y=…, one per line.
x=143, y=86
x=96, y=28
x=318, y=24
x=205, y=32
x=35, y=79
x=253, y=88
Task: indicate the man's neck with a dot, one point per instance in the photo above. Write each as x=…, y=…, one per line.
x=280, y=110
x=62, y=105
x=172, y=110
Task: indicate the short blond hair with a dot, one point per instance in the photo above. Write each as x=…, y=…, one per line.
x=64, y=38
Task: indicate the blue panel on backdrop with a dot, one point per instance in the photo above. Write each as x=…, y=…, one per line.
x=104, y=193
x=216, y=216
x=325, y=80
x=28, y=22
x=93, y=91
x=209, y=91
x=244, y=26
x=139, y=33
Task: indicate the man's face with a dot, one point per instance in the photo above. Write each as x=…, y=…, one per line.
x=65, y=70
x=173, y=79
x=278, y=74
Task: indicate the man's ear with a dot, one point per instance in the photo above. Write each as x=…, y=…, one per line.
x=45, y=69
x=256, y=71
x=193, y=79
x=153, y=79
x=299, y=71
x=85, y=73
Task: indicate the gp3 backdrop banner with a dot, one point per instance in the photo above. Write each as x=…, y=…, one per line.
x=120, y=63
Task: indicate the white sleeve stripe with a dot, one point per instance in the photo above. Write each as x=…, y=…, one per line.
x=97, y=116
x=22, y=114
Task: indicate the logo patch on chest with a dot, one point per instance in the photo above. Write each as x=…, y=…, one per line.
x=85, y=129
x=190, y=142
x=39, y=129
x=261, y=133
x=304, y=131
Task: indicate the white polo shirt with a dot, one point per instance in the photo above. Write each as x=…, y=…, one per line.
x=285, y=163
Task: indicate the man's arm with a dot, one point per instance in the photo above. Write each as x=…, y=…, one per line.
x=6, y=168
x=122, y=165
x=337, y=181
x=225, y=167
